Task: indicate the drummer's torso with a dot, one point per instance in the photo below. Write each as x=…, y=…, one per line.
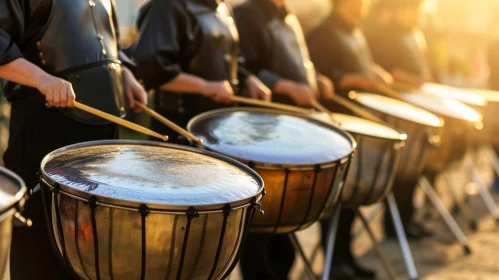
x=79, y=43
x=290, y=57
x=215, y=58
x=356, y=56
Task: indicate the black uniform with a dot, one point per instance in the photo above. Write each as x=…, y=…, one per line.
x=405, y=49
x=64, y=40
x=274, y=48
x=198, y=37
x=401, y=48
x=339, y=48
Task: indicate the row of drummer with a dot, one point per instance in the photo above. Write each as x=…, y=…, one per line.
x=191, y=53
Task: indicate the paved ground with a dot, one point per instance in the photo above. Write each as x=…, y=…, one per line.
x=439, y=257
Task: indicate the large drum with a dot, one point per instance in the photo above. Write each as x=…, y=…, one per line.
x=488, y=134
x=376, y=160
x=146, y=210
x=421, y=127
x=303, y=161
x=12, y=198
x=460, y=126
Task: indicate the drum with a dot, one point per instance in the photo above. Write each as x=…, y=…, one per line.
x=146, y=210
x=12, y=199
x=303, y=161
x=420, y=126
x=467, y=97
x=488, y=135
x=456, y=136
x=376, y=160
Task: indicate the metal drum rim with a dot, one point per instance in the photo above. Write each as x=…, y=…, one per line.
x=166, y=208
x=401, y=139
x=263, y=165
x=17, y=198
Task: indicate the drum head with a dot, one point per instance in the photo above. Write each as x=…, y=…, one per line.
x=399, y=109
x=158, y=175
x=443, y=106
x=465, y=96
x=489, y=95
x=367, y=128
x=12, y=189
x=271, y=137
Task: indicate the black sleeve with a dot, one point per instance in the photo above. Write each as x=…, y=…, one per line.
x=166, y=31
x=326, y=54
x=255, y=45
x=11, y=30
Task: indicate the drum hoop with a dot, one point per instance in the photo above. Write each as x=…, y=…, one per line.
x=129, y=204
x=17, y=199
x=273, y=166
x=152, y=209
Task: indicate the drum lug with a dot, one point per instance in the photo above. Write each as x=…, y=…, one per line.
x=21, y=221
x=258, y=208
x=35, y=190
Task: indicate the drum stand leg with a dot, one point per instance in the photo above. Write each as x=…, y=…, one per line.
x=404, y=244
x=494, y=160
x=449, y=220
x=382, y=257
x=482, y=188
x=331, y=238
x=299, y=249
x=462, y=205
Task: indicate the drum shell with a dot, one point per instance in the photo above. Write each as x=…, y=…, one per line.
x=455, y=138
x=372, y=170
x=418, y=147
x=5, y=239
x=488, y=135
x=119, y=232
x=300, y=200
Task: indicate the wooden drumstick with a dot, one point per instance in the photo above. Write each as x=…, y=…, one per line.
x=169, y=123
x=355, y=109
x=119, y=121
x=273, y=105
x=389, y=92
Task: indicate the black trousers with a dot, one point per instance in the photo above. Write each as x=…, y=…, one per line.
x=267, y=257
x=404, y=191
x=34, y=132
x=343, y=242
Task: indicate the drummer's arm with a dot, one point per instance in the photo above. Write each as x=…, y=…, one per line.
x=405, y=77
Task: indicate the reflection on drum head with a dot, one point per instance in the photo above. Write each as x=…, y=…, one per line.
x=151, y=174
x=362, y=126
x=444, y=106
x=8, y=190
x=398, y=109
x=271, y=138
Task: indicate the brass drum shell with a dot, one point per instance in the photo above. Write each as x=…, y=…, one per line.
x=372, y=170
x=15, y=195
x=119, y=238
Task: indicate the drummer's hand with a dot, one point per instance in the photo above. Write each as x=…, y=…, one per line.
x=57, y=92
x=256, y=89
x=301, y=94
x=219, y=91
x=134, y=90
x=383, y=76
x=325, y=86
